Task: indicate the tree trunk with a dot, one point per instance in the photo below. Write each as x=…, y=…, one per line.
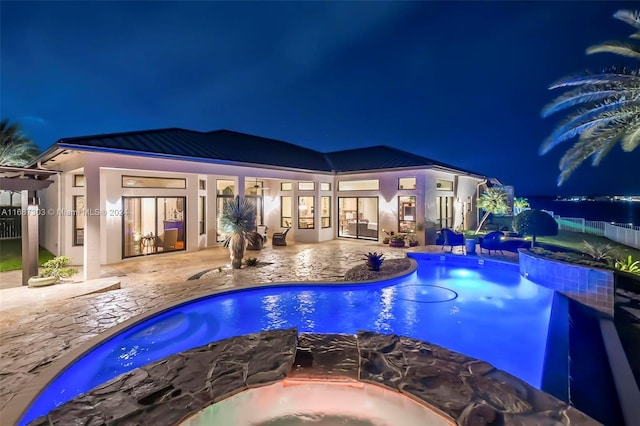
x=237, y=245
x=533, y=242
x=486, y=215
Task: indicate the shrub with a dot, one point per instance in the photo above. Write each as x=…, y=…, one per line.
x=374, y=261
x=535, y=223
x=58, y=267
x=629, y=265
x=251, y=261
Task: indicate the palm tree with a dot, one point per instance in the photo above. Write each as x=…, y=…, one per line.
x=519, y=204
x=492, y=201
x=609, y=107
x=238, y=218
x=16, y=149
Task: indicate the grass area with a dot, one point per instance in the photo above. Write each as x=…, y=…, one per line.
x=575, y=241
x=11, y=255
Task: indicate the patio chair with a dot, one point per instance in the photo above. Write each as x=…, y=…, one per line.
x=280, y=238
x=262, y=230
x=451, y=239
x=491, y=242
x=255, y=241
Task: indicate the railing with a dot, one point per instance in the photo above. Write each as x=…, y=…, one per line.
x=10, y=227
x=623, y=233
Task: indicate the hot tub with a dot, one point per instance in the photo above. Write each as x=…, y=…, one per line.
x=318, y=403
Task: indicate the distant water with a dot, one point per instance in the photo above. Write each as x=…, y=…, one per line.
x=608, y=211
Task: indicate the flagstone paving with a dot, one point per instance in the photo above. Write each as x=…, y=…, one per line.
x=41, y=331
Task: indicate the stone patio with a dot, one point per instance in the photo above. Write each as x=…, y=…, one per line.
x=39, y=332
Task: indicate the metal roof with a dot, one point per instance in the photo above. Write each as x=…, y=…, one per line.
x=234, y=147
x=384, y=157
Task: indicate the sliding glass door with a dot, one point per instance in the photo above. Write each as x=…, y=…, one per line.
x=358, y=217
x=153, y=225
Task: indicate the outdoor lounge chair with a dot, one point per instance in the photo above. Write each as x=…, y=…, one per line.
x=494, y=241
x=280, y=238
x=451, y=239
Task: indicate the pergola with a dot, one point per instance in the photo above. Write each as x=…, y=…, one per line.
x=28, y=182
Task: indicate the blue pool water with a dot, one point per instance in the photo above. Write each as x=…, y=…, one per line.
x=488, y=312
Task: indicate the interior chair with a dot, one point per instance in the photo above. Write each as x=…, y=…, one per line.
x=280, y=238
x=170, y=239
x=451, y=239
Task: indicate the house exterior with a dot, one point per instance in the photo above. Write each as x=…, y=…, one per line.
x=124, y=195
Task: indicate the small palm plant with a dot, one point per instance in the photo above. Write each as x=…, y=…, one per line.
x=520, y=204
x=608, y=107
x=492, y=201
x=238, y=218
x=598, y=251
x=374, y=260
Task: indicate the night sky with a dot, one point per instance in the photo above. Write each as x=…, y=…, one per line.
x=459, y=82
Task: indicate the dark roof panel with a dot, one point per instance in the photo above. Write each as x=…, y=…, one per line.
x=222, y=145
x=229, y=146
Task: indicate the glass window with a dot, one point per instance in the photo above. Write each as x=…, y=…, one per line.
x=358, y=217
x=305, y=212
x=202, y=215
x=153, y=182
x=78, y=219
x=444, y=185
x=153, y=225
x=359, y=185
x=225, y=187
x=286, y=212
x=78, y=180
x=306, y=186
x=225, y=190
x=325, y=212
x=407, y=214
x=407, y=183
x=286, y=186
x=253, y=187
x=325, y=186
x=202, y=184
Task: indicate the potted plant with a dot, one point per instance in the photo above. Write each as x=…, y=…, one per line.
x=389, y=235
x=53, y=271
x=237, y=220
x=413, y=242
x=397, y=241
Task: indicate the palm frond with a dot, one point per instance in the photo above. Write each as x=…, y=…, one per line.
x=628, y=16
x=586, y=119
x=588, y=94
x=623, y=76
x=616, y=47
x=631, y=139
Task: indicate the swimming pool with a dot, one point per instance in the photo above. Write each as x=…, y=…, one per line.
x=486, y=311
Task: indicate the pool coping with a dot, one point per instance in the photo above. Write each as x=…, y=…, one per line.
x=22, y=400
x=460, y=389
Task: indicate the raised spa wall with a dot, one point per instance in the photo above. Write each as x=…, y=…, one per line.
x=464, y=390
x=590, y=286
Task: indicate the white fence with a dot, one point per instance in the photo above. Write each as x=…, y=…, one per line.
x=10, y=228
x=622, y=233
